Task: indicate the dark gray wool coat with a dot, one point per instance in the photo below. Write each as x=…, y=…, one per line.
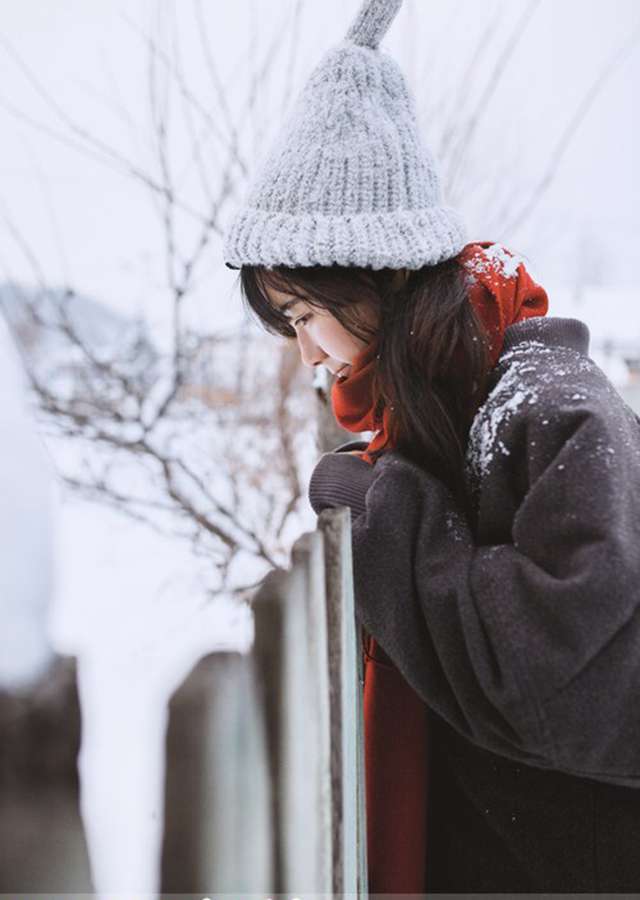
x=520, y=632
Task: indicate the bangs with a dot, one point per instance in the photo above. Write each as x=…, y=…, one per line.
x=254, y=281
x=338, y=290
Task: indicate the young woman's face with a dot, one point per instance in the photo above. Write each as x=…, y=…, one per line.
x=322, y=340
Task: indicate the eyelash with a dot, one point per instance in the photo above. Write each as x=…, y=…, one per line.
x=302, y=319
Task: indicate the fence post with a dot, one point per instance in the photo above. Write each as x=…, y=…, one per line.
x=347, y=739
x=304, y=692
x=42, y=842
x=291, y=654
x=217, y=821
x=309, y=554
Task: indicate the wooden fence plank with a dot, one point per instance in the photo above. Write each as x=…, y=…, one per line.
x=309, y=704
x=309, y=554
x=345, y=676
x=291, y=654
x=218, y=827
x=269, y=620
x=42, y=841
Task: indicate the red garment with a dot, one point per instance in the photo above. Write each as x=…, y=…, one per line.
x=395, y=717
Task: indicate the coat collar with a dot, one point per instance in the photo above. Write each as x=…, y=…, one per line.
x=551, y=331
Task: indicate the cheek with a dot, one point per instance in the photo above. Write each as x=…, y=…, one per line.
x=336, y=340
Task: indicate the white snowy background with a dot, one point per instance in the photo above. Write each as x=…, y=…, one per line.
x=124, y=599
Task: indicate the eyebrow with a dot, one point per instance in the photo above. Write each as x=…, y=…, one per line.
x=289, y=304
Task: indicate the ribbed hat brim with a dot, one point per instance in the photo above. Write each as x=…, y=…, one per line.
x=402, y=239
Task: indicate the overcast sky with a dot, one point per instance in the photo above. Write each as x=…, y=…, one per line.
x=96, y=229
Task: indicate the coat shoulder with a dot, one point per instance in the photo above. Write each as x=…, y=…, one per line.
x=539, y=395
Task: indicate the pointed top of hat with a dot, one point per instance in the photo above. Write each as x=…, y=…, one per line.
x=348, y=180
x=372, y=22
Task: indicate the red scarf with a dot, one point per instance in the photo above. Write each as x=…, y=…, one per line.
x=396, y=737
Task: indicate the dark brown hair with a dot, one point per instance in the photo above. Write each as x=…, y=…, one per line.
x=434, y=357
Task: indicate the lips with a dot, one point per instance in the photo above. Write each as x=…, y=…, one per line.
x=343, y=371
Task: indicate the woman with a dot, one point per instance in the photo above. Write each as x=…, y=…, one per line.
x=495, y=513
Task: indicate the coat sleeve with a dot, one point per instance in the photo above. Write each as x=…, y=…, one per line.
x=529, y=648
x=340, y=479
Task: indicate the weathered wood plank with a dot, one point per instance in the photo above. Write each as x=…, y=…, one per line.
x=42, y=841
x=310, y=704
x=345, y=676
x=291, y=654
x=308, y=553
x=217, y=834
x=269, y=623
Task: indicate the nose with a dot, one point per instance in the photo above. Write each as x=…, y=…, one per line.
x=310, y=353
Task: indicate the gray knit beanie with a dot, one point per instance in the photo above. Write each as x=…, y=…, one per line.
x=348, y=182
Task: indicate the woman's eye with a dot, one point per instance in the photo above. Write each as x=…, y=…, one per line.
x=302, y=319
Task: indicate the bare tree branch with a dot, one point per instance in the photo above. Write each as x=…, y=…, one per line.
x=88, y=144
x=98, y=492
x=460, y=97
x=466, y=133
x=567, y=136
x=219, y=90
x=188, y=94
